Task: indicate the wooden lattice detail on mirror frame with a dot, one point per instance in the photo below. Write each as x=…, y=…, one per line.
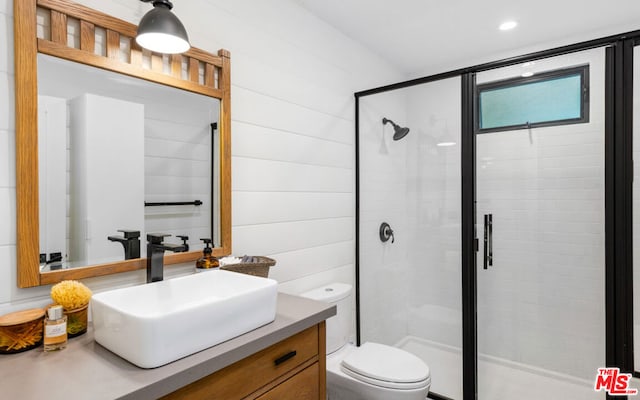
x=71, y=31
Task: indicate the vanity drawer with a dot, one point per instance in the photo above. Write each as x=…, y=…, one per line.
x=254, y=372
x=303, y=386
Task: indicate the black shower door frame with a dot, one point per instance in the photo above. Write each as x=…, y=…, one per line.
x=618, y=199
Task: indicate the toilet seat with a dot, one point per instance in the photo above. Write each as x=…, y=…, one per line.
x=386, y=366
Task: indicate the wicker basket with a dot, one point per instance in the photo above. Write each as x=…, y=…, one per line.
x=258, y=268
x=21, y=331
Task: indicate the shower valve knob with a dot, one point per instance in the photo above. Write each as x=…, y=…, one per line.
x=386, y=232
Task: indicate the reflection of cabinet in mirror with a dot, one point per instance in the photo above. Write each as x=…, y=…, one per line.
x=106, y=142
x=69, y=31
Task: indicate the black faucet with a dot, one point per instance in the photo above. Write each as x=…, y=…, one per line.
x=155, y=255
x=130, y=241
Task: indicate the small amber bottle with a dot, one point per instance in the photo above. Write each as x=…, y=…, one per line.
x=55, y=329
x=208, y=261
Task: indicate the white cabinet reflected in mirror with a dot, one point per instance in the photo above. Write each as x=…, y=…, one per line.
x=115, y=153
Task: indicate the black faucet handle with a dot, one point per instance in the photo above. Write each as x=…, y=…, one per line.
x=156, y=238
x=130, y=234
x=54, y=257
x=185, y=240
x=176, y=248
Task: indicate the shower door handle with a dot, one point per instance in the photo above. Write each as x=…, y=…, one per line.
x=488, y=240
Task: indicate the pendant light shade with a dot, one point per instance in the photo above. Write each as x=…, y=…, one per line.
x=161, y=31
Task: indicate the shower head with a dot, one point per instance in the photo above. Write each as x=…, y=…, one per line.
x=399, y=132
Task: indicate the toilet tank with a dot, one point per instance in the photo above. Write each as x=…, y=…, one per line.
x=338, y=326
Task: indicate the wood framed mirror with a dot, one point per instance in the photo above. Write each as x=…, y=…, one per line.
x=82, y=35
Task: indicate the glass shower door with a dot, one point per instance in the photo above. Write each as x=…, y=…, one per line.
x=410, y=285
x=540, y=225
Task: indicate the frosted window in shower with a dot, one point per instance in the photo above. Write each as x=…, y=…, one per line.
x=544, y=99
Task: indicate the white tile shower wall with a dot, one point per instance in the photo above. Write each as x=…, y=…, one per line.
x=293, y=79
x=542, y=301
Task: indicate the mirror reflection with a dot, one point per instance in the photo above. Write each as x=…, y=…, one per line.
x=120, y=157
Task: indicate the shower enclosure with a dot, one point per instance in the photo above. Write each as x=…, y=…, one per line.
x=518, y=309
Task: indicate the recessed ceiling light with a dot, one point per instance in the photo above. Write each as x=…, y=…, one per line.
x=527, y=74
x=446, y=144
x=505, y=26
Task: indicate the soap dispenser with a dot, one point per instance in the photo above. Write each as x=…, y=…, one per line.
x=208, y=261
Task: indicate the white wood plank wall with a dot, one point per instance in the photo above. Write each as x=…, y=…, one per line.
x=293, y=79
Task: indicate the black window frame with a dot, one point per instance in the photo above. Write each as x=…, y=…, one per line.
x=581, y=70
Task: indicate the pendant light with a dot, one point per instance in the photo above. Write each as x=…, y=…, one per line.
x=161, y=31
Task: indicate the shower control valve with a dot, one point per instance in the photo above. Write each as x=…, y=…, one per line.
x=386, y=232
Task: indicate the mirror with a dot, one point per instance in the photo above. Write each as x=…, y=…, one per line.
x=121, y=153
x=106, y=131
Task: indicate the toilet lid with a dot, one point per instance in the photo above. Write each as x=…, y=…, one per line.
x=386, y=366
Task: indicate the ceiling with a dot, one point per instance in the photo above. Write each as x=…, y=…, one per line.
x=421, y=37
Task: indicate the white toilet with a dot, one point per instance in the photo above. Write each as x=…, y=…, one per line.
x=372, y=371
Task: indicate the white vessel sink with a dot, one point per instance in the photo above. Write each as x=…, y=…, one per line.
x=157, y=323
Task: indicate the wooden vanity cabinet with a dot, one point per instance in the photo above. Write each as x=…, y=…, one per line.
x=293, y=368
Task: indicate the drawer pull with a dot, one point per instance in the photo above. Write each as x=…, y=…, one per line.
x=285, y=357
